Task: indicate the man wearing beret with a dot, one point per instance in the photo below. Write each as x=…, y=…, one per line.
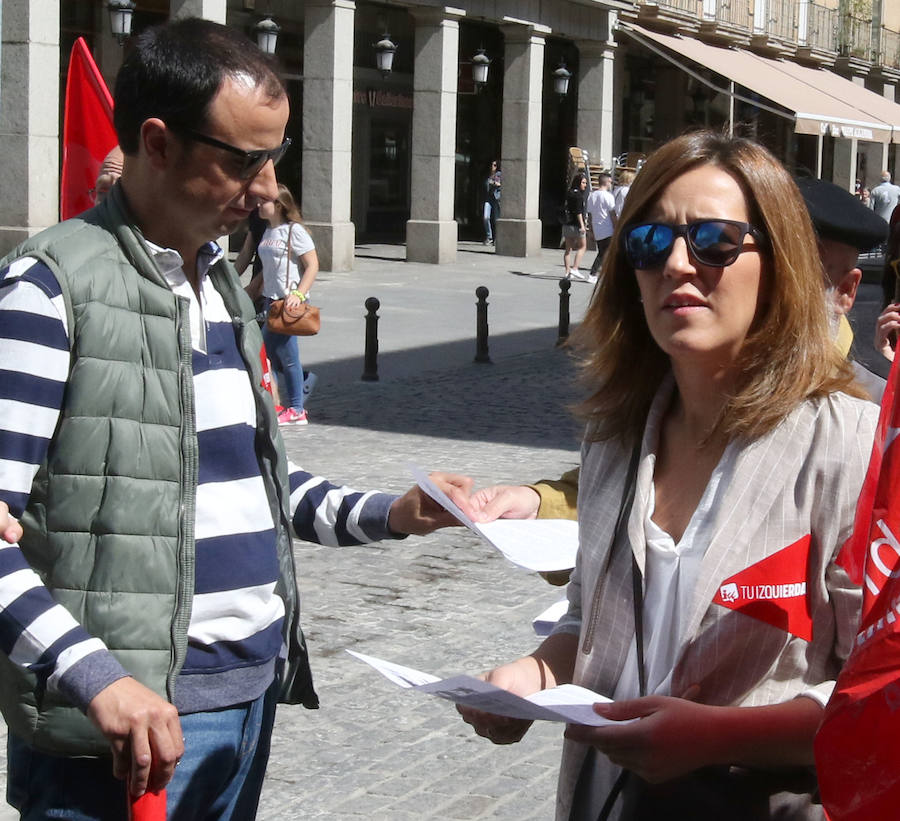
x=845, y=228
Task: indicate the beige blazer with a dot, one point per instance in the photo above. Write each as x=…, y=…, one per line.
x=802, y=478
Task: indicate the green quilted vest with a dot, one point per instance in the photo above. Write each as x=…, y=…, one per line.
x=109, y=524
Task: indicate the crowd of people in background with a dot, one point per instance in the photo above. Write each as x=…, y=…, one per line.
x=591, y=213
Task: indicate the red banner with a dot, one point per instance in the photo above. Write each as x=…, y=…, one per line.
x=88, y=133
x=151, y=806
x=773, y=590
x=857, y=754
x=266, y=370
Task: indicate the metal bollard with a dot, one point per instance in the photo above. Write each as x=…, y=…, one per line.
x=370, y=368
x=481, y=327
x=563, y=333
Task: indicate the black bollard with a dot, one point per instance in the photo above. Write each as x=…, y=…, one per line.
x=563, y=333
x=370, y=369
x=481, y=327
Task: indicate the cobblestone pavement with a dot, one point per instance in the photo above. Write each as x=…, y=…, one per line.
x=445, y=603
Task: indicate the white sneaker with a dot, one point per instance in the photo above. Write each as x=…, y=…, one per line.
x=576, y=274
x=592, y=279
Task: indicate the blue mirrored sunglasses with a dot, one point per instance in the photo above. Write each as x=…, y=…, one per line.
x=717, y=243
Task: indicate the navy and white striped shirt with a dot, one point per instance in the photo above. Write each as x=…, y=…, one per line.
x=234, y=636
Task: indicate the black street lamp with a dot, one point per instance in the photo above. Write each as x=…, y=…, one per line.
x=385, y=49
x=480, y=64
x=120, y=13
x=266, y=31
x=561, y=79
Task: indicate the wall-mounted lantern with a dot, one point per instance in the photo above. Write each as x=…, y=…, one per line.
x=561, y=79
x=385, y=49
x=266, y=31
x=120, y=13
x=480, y=64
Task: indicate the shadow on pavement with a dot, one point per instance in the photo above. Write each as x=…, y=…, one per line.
x=437, y=390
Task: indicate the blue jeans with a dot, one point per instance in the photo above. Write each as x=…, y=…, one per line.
x=284, y=354
x=220, y=776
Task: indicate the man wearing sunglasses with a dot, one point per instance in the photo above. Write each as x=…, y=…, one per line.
x=149, y=616
x=845, y=228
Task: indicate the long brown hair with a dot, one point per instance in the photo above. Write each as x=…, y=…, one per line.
x=787, y=356
x=288, y=205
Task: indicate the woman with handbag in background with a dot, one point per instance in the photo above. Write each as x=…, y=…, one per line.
x=290, y=265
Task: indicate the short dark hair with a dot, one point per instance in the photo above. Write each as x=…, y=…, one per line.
x=175, y=71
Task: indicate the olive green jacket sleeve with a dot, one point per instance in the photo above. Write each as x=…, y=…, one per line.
x=558, y=496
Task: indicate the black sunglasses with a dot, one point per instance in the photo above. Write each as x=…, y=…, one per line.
x=253, y=161
x=717, y=243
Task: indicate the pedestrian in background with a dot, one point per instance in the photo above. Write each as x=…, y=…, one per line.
x=575, y=226
x=289, y=268
x=887, y=326
x=491, y=206
x=109, y=173
x=256, y=227
x=884, y=196
x=625, y=179
x=601, y=209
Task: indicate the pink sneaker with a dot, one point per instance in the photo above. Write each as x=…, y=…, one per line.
x=289, y=416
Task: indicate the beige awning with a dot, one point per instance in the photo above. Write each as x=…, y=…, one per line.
x=819, y=101
x=867, y=102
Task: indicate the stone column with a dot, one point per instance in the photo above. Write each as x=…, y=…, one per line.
x=207, y=9
x=29, y=120
x=844, y=169
x=885, y=160
x=431, y=231
x=519, y=228
x=596, y=94
x=892, y=150
x=327, y=129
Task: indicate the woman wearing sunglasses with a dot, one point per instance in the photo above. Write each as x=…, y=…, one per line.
x=725, y=449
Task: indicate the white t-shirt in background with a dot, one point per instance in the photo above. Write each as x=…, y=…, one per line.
x=600, y=205
x=275, y=260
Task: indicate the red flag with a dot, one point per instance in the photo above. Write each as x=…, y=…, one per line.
x=857, y=755
x=151, y=806
x=266, y=370
x=88, y=133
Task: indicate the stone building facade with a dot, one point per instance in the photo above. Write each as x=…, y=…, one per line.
x=403, y=157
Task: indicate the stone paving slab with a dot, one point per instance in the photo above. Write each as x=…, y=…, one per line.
x=445, y=604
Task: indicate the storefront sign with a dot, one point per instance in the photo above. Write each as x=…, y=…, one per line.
x=382, y=99
x=847, y=131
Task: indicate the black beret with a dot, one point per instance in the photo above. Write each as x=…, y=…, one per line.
x=838, y=215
